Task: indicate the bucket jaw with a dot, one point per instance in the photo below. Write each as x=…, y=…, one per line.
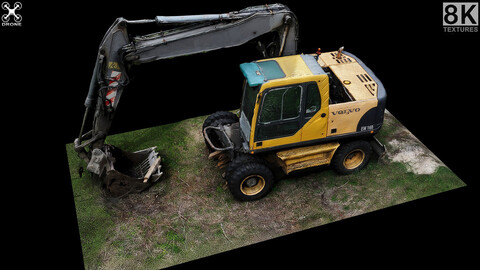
x=125, y=172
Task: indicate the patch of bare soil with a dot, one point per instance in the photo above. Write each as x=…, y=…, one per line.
x=193, y=204
x=338, y=207
x=404, y=147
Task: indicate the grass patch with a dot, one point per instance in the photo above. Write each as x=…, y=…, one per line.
x=190, y=214
x=173, y=242
x=170, y=140
x=410, y=186
x=95, y=220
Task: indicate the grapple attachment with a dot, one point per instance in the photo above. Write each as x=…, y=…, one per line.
x=125, y=172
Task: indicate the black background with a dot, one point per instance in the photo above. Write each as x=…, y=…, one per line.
x=431, y=78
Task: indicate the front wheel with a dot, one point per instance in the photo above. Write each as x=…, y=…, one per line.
x=250, y=181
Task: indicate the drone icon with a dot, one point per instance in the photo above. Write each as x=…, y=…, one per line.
x=11, y=12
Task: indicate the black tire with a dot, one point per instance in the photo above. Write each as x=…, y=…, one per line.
x=217, y=119
x=351, y=157
x=250, y=181
x=241, y=159
x=223, y=117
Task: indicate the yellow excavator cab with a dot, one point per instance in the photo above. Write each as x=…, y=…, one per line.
x=298, y=111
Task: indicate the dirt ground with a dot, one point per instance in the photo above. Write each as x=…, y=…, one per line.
x=190, y=212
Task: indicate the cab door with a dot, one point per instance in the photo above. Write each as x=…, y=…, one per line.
x=279, y=118
x=290, y=114
x=316, y=111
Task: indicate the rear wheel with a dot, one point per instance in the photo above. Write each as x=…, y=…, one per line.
x=352, y=157
x=217, y=119
x=250, y=181
x=221, y=116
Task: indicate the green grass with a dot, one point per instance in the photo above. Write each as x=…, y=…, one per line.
x=170, y=139
x=173, y=243
x=189, y=213
x=96, y=221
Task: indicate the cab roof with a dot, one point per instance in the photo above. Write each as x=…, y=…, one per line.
x=261, y=71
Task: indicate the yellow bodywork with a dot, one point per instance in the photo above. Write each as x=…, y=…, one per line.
x=305, y=157
x=344, y=117
x=296, y=71
x=331, y=119
x=355, y=79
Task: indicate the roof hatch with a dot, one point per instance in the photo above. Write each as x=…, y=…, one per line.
x=258, y=72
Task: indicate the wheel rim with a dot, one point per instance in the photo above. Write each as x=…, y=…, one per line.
x=354, y=159
x=252, y=185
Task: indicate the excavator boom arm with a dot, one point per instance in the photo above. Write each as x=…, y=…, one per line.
x=215, y=31
x=185, y=35
x=195, y=34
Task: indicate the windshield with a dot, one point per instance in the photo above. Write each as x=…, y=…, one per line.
x=249, y=99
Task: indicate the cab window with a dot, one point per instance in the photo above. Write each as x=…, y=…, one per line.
x=281, y=104
x=280, y=113
x=312, y=100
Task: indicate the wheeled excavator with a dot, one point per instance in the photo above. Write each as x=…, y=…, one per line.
x=297, y=112
x=125, y=172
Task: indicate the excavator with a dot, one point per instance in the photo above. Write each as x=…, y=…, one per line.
x=298, y=111
x=123, y=172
